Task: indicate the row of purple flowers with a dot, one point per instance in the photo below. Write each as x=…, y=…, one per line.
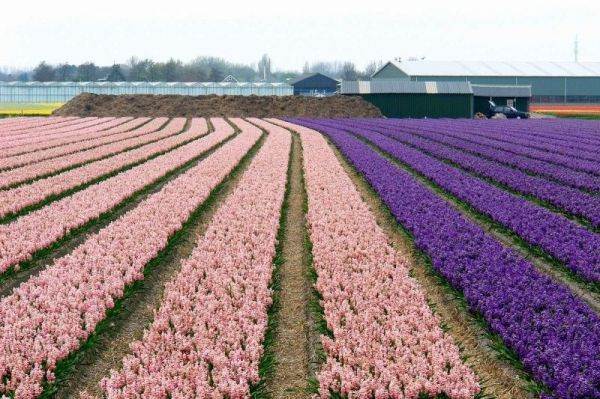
x=575, y=246
x=551, y=158
x=574, y=178
x=567, y=199
x=570, y=132
x=555, y=334
x=520, y=139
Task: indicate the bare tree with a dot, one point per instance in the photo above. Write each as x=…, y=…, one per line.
x=264, y=68
x=349, y=71
x=371, y=68
x=306, y=68
x=172, y=70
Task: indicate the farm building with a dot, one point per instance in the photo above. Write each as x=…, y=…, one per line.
x=408, y=99
x=312, y=84
x=551, y=82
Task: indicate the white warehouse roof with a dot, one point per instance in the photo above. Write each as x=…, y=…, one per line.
x=485, y=68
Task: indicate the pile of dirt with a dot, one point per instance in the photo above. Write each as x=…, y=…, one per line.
x=87, y=104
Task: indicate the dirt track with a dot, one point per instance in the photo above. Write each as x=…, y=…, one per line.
x=231, y=106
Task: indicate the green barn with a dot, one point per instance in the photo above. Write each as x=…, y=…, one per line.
x=405, y=99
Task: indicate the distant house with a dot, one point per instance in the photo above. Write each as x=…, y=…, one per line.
x=314, y=84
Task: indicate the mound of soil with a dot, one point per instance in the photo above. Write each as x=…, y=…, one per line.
x=87, y=104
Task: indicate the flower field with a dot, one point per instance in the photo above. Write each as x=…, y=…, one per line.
x=146, y=258
x=568, y=110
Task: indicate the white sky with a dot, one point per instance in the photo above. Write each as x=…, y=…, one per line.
x=295, y=32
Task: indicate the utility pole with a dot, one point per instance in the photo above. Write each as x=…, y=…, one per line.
x=576, y=48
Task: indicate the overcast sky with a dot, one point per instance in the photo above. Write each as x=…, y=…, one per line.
x=295, y=32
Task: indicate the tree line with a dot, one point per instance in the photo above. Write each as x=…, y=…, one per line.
x=200, y=69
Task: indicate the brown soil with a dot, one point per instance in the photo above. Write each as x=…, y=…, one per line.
x=498, y=378
x=290, y=375
x=88, y=104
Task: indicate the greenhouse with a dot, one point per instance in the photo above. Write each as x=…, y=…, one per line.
x=60, y=92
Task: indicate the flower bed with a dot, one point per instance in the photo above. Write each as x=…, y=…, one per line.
x=555, y=334
x=49, y=316
x=20, y=239
x=386, y=342
x=32, y=171
x=575, y=246
x=15, y=199
x=206, y=338
x=88, y=138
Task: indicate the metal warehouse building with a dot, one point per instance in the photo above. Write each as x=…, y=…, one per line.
x=408, y=99
x=551, y=82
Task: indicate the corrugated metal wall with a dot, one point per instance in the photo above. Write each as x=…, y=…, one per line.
x=544, y=89
x=401, y=105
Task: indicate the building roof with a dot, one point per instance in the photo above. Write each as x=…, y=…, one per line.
x=404, y=86
x=496, y=68
x=305, y=76
x=501, y=90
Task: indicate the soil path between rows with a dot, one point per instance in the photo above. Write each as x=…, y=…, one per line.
x=291, y=345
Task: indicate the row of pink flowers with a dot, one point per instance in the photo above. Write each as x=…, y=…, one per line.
x=23, y=125
x=7, y=123
x=90, y=135
x=53, y=313
x=49, y=166
x=206, y=338
x=124, y=128
x=20, y=239
x=70, y=128
x=17, y=198
x=386, y=341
